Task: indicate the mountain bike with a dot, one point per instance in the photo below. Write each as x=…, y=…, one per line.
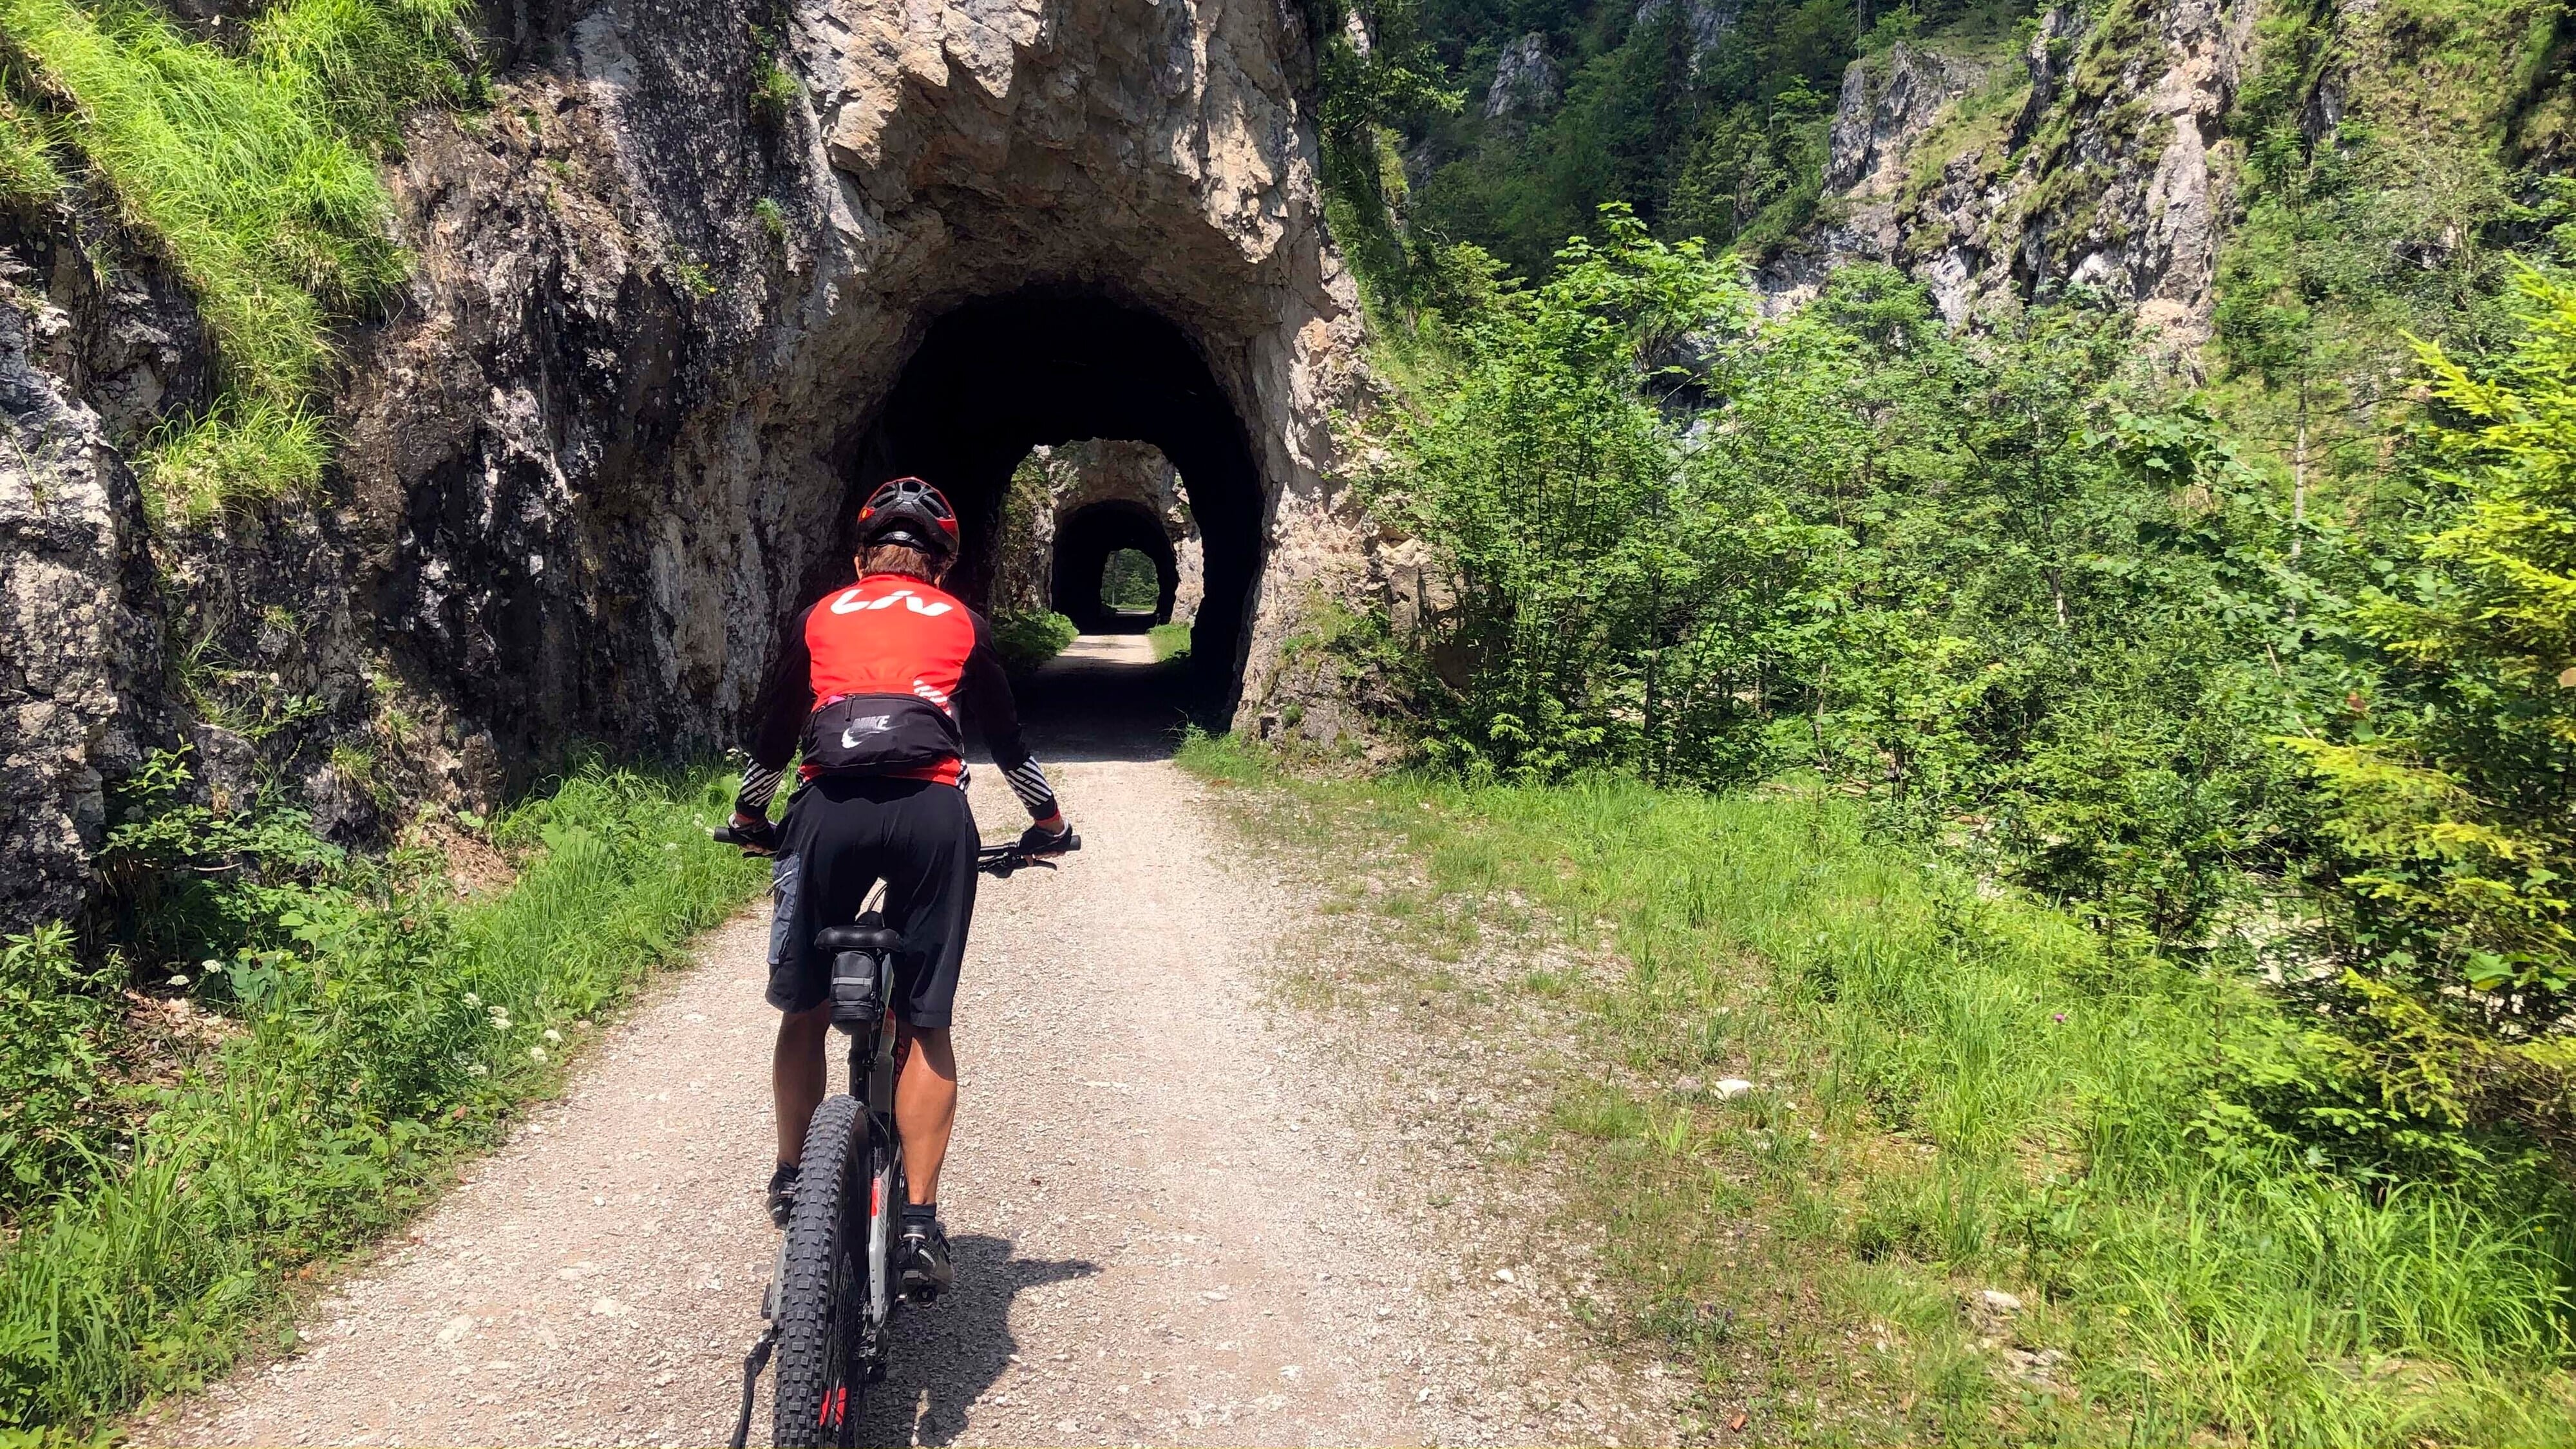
x=831, y=1297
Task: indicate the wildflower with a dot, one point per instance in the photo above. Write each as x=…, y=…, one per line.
x=210, y=966
x=477, y=1069
x=178, y=979
x=2057, y=1016
x=537, y=1055
x=553, y=1035
x=473, y=1000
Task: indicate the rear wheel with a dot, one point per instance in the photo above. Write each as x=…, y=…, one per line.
x=822, y=1308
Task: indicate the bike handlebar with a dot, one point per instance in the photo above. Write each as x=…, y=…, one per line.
x=1001, y=860
x=994, y=860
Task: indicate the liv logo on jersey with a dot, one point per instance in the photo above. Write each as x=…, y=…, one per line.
x=850, y=603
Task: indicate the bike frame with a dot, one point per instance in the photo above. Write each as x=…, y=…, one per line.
x=862, y=988
x=862, y=999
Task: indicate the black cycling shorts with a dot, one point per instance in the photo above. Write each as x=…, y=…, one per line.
x=841, y=837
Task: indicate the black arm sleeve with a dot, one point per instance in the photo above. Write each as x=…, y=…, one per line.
x=778, y=719
x=984, y=702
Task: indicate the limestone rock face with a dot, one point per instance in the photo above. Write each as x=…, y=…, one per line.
x=1524, y=79
x=667, y=318
x=2111, y=170
x=1878, y=116
x=72, y=649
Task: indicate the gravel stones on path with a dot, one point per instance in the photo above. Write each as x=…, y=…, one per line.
x=1162, y=1198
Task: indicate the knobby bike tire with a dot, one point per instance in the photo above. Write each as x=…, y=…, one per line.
x=821, y=1301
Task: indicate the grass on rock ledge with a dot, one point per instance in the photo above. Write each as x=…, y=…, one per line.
x=254, y=170
x=1954, y=1090
x=391, y=1027
x=1169, y=641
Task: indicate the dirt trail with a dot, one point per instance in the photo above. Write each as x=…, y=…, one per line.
x=1159, y=1199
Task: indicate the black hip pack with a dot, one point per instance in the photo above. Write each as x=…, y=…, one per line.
x=880, y=734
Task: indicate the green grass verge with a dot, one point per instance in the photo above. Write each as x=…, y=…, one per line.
x=1170, y=641
x=400, y=1028
x=256, y=174
x=1960, y=1090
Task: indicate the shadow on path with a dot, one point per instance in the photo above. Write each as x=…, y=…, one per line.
x=956, y=1349
x=1105, y=698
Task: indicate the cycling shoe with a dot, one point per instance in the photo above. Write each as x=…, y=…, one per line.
x=923, y=1271
x=782, y=1193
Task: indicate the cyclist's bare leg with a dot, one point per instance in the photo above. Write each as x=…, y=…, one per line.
x=796, y=1075
x=925, y=1108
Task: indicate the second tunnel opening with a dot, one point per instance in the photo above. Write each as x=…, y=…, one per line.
x=997, y=377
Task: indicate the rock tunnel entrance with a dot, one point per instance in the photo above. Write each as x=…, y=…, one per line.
x=998, y=376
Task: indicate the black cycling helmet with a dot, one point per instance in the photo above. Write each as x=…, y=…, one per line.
x=909, y=512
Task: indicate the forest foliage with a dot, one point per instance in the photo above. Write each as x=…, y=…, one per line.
x=2038, y=608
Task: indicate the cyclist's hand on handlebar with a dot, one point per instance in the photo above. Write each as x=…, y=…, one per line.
x=753, y=833
x=1048, y=837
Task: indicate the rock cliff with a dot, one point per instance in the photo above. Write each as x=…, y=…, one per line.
x=661, y=325
x=2097, y=157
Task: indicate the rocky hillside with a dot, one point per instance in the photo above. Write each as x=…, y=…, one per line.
x=2141, y=148
x=529, y=431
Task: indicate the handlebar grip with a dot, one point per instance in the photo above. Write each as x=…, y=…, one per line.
x=725, y=835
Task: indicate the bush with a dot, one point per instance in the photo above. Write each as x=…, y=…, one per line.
x=1170, y=641
x=1029, y=640
x=56, y=1104
x=2447, y=777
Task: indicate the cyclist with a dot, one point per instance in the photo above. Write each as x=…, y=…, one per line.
x=874, y=682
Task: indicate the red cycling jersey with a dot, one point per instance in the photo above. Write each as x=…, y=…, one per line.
x=880, y=678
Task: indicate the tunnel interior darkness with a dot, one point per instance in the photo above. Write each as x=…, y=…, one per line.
x=1084, y=540
x=998, y=376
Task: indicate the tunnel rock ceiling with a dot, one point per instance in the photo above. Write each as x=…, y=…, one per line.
x=661, y=328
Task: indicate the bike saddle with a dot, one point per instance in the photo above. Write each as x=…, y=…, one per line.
x=856, y=938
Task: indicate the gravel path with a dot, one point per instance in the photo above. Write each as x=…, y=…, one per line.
x=1157, y=1199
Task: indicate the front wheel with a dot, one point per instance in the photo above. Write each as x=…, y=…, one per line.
x=822, y=1307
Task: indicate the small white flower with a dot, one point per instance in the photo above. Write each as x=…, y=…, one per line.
x=178, y=980
x=210, y=966
x=473, y=1000
x=477, y=1069
x=500, y=1023
x=537, y=1055
x=553, y=1035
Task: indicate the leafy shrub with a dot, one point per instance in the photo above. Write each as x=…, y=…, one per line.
x=1984, y=579
x=56, y=1102
x=2033, y=605
x=2448, y=777
x=187, y=880
x=1129, y=583
x=1029, y=640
